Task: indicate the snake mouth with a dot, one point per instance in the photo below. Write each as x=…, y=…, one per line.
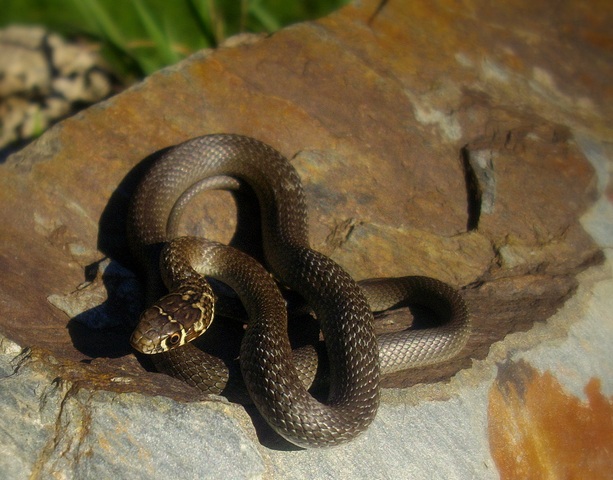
x=144, y=344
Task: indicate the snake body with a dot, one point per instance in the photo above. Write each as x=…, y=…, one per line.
x=342, y=307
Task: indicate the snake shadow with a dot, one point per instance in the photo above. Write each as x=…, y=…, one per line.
x=103, y=331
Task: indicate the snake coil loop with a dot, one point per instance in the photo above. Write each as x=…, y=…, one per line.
x=342, y=306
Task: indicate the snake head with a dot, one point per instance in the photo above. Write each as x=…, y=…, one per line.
x=174, y=320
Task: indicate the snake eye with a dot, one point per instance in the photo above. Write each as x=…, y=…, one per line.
x=174, y=338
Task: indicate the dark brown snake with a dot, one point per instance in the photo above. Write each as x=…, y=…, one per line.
x=270, y=372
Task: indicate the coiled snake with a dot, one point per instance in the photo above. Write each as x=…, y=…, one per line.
x=273, y=379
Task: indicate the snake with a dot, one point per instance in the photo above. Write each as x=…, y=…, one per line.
x=182, y=304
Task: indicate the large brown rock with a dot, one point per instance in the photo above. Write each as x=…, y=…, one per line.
x=431, y=140
x=408, y=171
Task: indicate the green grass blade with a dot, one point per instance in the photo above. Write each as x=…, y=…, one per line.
x=263, y=16
x=106, y=26
x=204, y=21
x=161, y=40
x=106, y=30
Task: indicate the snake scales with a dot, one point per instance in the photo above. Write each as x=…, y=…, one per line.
x=273, y=379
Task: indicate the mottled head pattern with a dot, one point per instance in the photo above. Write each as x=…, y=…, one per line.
x=174, y=320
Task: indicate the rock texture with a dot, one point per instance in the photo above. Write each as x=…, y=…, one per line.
x=461, y=142
x=44, y=78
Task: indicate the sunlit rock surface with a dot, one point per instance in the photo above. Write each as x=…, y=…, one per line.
x=471, y=145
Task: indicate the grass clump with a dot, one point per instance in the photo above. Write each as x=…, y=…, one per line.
x=139, y=37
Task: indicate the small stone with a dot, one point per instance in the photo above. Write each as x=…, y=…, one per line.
x=43, y=78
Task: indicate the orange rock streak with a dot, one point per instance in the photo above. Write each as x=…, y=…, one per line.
x=539, y=431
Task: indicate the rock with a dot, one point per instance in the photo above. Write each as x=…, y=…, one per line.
x=468, y=156
x=66, y=431
x=43, y=78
